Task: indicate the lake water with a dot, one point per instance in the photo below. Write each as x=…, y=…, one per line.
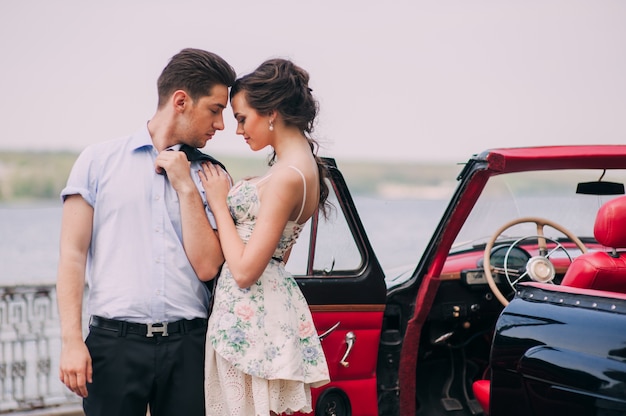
x=29, y=243
x=29, y=235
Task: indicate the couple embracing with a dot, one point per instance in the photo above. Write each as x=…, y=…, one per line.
x=148, y=220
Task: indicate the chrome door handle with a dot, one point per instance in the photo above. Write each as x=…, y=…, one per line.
x=350, y=339
x=328, y=331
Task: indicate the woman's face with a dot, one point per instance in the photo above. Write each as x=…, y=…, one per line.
x=251, y=125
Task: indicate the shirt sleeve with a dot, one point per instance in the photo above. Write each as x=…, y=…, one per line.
x=81, y=180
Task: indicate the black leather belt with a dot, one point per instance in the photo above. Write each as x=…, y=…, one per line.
x=147, y=330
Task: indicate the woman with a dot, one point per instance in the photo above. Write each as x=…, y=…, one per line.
x=263, y=354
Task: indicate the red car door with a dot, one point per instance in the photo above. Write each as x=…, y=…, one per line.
x=343, y=283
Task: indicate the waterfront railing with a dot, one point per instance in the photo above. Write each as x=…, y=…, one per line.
x=30, y=345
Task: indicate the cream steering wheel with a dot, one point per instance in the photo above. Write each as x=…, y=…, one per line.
x=538, y=268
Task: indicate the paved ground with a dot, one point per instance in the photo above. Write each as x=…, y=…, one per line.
x=70, y=410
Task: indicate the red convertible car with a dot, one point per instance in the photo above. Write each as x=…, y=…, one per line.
x=517, y=305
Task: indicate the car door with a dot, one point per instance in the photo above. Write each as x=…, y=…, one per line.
x=343, y=283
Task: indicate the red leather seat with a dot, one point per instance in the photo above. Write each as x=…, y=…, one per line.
x=481, y=393
x=603, y=270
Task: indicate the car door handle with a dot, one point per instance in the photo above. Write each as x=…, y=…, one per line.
x=350, y=340
x=328, y=331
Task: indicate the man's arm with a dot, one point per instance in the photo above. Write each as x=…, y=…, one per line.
x=75, y=368
x=200, y=241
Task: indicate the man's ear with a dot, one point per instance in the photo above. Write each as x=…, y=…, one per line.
x=180, y=100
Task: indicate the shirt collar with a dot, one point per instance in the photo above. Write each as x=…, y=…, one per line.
x=142, y=139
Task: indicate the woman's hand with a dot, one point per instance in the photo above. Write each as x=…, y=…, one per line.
x=216, y=183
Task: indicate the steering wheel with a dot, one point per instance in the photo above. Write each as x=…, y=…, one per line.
x=538, y=268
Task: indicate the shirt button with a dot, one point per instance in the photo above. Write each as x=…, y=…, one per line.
x=157, y=197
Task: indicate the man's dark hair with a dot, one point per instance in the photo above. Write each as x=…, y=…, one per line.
x=196, y=72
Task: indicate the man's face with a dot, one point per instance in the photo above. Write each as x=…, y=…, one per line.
x=204, y=117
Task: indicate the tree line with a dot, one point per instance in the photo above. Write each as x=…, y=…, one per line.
x=42, y=174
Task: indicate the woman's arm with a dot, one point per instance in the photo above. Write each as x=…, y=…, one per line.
x=279, y=198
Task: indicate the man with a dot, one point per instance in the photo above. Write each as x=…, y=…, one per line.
x=129, y=213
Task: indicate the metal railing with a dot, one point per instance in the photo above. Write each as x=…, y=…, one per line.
x=30, y=346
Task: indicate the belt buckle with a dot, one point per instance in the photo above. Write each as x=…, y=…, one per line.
x=156, y=328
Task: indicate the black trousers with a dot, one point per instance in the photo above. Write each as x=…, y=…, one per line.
x=132, y=371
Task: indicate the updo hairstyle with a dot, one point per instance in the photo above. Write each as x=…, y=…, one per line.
x=280, y=85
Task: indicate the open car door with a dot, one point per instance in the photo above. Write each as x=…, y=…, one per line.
x=344, y=285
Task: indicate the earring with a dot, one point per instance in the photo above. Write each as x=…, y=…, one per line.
x=271, y=125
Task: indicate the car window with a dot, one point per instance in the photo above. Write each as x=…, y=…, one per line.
x=335, y=250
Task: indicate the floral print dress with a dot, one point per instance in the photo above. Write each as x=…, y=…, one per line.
x=262, y=352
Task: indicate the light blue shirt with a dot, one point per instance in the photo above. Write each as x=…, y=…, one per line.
x=137, y=269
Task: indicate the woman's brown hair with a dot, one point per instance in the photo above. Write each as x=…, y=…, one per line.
x=280, y=85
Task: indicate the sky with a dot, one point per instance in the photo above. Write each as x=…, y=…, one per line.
x=396, y=80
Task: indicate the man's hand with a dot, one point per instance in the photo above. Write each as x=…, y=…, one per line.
x=177, y=166
x=75, y=370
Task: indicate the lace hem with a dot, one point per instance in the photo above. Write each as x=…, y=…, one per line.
x=230, y=392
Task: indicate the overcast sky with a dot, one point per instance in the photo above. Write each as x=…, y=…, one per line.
x=406, y=80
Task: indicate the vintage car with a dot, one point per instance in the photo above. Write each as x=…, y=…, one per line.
x=517, y=305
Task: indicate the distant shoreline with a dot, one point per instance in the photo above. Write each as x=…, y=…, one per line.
x=40, y=175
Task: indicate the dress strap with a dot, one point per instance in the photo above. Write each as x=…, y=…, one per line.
x=263, y=179
x=304, y=193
